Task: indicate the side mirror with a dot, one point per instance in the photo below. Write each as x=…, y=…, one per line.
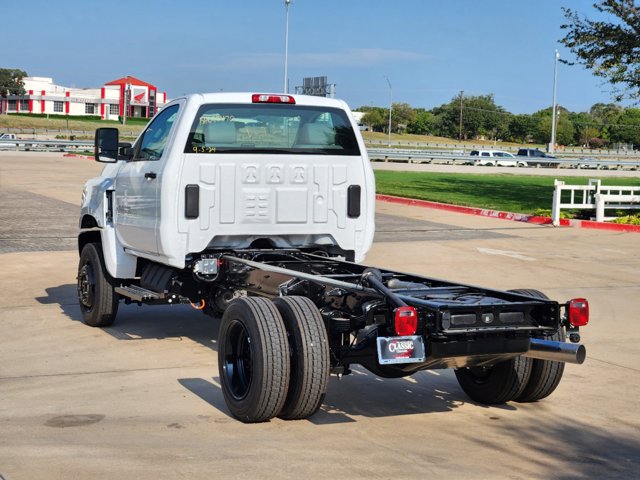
x=106, y=145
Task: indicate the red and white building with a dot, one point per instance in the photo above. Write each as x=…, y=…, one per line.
x=139, y=98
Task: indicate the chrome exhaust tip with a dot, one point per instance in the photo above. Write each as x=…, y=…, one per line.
x=556, y=351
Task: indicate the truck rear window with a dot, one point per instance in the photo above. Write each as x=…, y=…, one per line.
x=266, y=128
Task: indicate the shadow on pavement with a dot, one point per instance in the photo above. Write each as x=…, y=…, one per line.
x=66, y=297
x=366, y=395
x=147, y=322
x=209, y=391
x=562, y=448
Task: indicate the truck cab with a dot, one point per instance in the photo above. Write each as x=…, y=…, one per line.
x=233, y=170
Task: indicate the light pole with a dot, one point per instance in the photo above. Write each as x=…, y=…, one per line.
x=552, y=144
x=390, y=107
x=461, y=97
x=286, y=45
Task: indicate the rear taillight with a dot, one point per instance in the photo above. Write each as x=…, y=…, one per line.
x=266, y=98
x=578, y=312
x=406, y=321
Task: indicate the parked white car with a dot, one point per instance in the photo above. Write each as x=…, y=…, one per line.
x=493, y=158
x=5, y=139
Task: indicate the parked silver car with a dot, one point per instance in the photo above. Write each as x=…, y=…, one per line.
x=499, y=158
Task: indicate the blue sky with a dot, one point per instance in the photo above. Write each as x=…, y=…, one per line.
x=429, y=49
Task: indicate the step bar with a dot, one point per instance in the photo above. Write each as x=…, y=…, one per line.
x=138, y=294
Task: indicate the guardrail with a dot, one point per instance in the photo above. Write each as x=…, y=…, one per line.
x=593, y=196
x=449, y=157
x=62, y=131
x=568, y=151
x=45, y=145
x=385, y=154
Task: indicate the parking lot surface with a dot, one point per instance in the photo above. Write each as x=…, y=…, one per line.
x=142, y=399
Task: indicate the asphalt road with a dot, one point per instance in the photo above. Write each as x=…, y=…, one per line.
x=142, y=399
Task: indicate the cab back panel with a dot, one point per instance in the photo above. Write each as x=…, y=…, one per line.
x=285, y=196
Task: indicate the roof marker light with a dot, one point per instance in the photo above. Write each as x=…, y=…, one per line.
x=268, y=98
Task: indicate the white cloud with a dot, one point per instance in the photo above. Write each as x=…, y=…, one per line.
x=357, y=57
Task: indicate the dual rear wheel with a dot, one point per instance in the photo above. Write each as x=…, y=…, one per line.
x=519, y=379
x=273, y=358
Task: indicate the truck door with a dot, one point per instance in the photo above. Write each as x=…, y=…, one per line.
x=137, y=202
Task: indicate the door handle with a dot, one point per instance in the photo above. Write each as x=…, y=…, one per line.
x=150, y=175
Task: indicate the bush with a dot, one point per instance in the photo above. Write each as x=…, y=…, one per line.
x=628, y=220
x=597, y=143
x=546, y=212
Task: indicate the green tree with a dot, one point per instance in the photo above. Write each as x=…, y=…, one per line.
x=480, y=117
x=402, y=115
x=605, y=112
x=604, y=115
x=610, y=47
x=565, y=131
x=585, y=128
x=376, y=118
x=423, y=124
x=521, y=128
x=11, y=81
x=627, y=129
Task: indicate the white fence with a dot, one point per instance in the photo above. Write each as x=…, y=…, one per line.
x=593, y=196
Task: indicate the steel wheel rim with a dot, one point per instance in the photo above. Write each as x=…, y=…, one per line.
x=479, y=375
x=237, y=362
x=86, y=286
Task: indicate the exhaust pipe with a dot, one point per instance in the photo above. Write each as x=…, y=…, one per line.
x=556, y=351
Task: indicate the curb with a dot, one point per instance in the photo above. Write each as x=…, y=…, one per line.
x=516, y=217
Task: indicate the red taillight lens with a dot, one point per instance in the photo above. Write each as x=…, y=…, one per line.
x=578, y=312
x=406, y=321
x=264, y=98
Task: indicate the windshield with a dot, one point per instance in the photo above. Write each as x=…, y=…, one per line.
x=269, y=128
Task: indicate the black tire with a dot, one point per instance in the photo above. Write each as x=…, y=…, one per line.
x=96, y=296
x=309, y=348
x=498, y=384
x=545, y=374
x=253, y=359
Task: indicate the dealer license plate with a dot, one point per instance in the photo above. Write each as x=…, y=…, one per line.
x=400, y=349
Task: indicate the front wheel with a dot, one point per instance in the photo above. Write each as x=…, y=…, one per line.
x=96, y=295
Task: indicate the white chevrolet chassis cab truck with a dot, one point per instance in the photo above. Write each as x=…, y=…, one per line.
x=259, y=208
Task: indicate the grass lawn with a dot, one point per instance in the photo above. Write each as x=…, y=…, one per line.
x=55, y=122
x=406, y=137
x=511, y=193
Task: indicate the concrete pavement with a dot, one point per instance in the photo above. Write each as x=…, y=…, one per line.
x=142, y=399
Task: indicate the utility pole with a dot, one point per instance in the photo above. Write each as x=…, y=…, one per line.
x=461, y=97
